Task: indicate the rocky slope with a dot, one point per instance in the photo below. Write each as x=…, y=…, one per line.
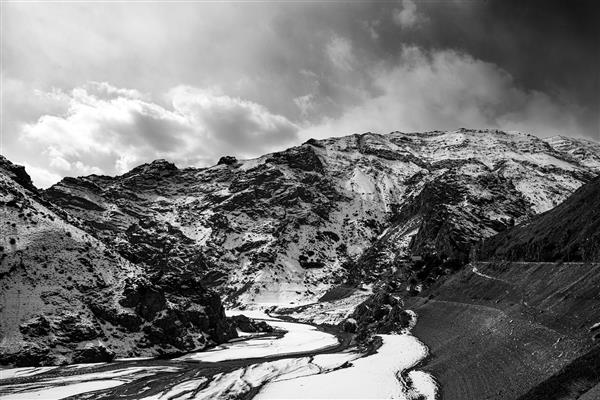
x=500, y=330
x=67, y=297
x=285, y=227
x=524, y=323
x=568, y=232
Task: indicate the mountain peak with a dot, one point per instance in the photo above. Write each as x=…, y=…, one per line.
x=17, y=173
x=227, y=160
x=158, y=166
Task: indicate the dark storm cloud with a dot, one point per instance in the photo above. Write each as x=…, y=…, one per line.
x=193, y=81
x=547, y=45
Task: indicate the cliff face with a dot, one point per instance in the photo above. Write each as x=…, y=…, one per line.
x=568, y=232
x=284, y=227
x=68, y=297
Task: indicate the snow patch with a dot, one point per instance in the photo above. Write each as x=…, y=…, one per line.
x=60, y=392
x=299, y=338
x=370, y=377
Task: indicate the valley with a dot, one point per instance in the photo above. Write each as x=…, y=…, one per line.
x=264, y=366
x=451, y=265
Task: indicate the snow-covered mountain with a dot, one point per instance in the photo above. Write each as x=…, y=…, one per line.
x=66, y=296
x=285, y=227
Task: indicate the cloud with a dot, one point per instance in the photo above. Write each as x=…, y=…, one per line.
x=57, y=161
x=333, y=69
x=243, y=126
x=339, y=50
x=305, y=103
x=42, y=177
x=446, y=90
x=101, y=128
x=110, y=130
x=371, y=28
x=407, y=15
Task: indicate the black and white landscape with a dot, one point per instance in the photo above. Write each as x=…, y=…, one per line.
x=187, y=213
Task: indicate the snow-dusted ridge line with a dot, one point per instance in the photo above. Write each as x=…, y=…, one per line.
x=262, y=215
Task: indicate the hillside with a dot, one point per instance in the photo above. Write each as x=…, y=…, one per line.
x=568, y=232
x=522, y=324
x=507, y=330
x=347, y=231
x=67, y=297
x=285, y=227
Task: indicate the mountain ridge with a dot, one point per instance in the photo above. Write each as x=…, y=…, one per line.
x=568, y=232
x=283, y=226
x=68, y=297
x=281, y=229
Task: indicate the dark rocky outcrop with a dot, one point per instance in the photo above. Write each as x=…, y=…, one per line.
x=301, y=157
x=92, y=352
x=248, y=325
x=16, y=173
x=227, y=160
x=569, y=232
x=382, y=313
x=36, y=326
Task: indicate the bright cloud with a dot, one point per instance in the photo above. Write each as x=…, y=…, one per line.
x=110, y=130
x=193, y=81
x=106, y=129
x=407, y=15
x=339, y=50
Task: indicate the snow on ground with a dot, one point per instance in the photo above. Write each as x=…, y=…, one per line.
x=241, y=381
x=7, y=373
x=370, y=377
x=279, y=287
x=297, y=339
x=123, y=373
x=178, y=391
x=65, y=386
x=345, y=374
x=254, y=313
x=332, y=312
x=60, y=392
x=423, y=383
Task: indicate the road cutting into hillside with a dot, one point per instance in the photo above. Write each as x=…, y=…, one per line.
x=499, y=330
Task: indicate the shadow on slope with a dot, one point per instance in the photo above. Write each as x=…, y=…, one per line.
x=498, y=330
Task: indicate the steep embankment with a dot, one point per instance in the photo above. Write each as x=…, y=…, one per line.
x=67, y=297
x=523, y=329
x=505, y=329
x=497, y=330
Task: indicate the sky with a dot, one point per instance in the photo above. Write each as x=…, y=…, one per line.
x=101, y=87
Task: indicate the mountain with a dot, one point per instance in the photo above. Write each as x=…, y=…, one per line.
x=67, y=297
x=286, y=227
x=584, y=150
x=568, y=232
x=521, y=320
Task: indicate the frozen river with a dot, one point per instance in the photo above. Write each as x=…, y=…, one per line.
x=296, y=361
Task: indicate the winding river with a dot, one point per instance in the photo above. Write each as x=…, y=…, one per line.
x=296, y=361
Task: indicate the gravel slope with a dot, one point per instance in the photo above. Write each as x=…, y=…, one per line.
x=499, y=333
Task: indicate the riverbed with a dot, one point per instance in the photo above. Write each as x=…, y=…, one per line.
x=298, y=360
